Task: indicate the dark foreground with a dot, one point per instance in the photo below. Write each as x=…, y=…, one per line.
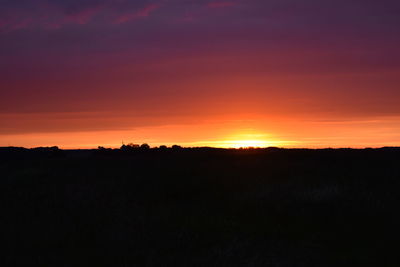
x=202, y=207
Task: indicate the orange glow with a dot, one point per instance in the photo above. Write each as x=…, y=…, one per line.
x=249, y=138
x=242, y=131
x=183, y=73
x=246, y=143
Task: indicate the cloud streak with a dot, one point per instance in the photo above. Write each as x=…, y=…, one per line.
x=142, y=13
x=85, y=15
x=54, y=15
x=220, y=4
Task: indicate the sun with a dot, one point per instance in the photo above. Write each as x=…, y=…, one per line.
x=248, y=139
x=247, y=143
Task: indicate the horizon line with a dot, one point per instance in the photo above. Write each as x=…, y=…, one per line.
x=201, y=147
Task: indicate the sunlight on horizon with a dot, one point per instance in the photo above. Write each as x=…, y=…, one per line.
x=224, y=133
x=246, y=143
x=247, y=139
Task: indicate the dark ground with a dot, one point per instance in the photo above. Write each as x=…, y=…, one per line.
x=200, y=207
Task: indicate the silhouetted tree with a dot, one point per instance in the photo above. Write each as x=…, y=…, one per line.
x=176, y=147
x=129, y=147
x=145, y=146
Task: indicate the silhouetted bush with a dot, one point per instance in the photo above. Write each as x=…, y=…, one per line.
x=145, y=146
x=130, y=147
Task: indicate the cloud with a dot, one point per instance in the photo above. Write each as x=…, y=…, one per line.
x=56, y=14
x=220, y=4
x=47, y=15
x=83, y=16
x=142, y=13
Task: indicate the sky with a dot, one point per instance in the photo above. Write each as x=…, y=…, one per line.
x=289, y=73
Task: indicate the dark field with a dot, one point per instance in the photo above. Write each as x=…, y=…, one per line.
x=200, y=207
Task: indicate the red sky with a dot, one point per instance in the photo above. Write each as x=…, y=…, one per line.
x=215, y=73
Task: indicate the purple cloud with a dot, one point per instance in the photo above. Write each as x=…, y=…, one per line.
x=55, y=14
x=85, y=15
x=142, y=13
x=220, y=4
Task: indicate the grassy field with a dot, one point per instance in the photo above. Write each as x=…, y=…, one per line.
x=200, y=207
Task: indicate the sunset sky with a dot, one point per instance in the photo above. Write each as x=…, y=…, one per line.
x=290, y=73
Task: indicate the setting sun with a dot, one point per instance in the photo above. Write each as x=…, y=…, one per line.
x=249, y=138
x=246, y=143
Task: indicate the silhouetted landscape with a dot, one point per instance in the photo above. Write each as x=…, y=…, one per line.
x=142, y=206
x=240, y=87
